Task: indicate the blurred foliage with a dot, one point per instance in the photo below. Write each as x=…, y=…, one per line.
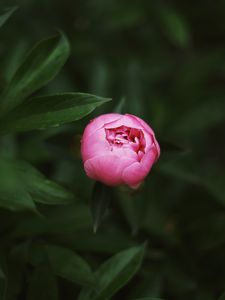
x=161, y=60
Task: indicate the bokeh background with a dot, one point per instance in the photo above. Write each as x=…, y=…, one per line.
x=166, y=61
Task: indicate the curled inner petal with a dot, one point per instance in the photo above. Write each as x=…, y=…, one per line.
x=126, y=137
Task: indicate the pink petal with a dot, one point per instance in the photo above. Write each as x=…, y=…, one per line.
x=141, y=123
x=125, y=120
x=99, y=122
x=94, y=145
x=147, y=129
x=134, y=122
x=107, y=168
x=136, y=172
x=125, y=151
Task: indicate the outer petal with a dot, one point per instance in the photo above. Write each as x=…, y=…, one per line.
x=99, y=122
x=148, y=129
x=143, y=124
x=107, y=168
x=157, y=147
x=136, y=172
x=127, y=120
x=94, y=145
x=93, y=140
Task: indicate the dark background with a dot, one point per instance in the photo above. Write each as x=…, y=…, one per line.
x=167, y=59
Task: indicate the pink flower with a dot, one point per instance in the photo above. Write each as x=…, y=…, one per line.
x=119, y=149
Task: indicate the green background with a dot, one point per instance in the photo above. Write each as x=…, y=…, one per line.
x=163, y=61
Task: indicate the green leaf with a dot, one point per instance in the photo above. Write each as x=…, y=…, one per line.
x=115, y=273
x=67, y=264
x=42, y=284
x=13, y=59
x=21, y=184
x=64, y=221
x=100, y=201
x=42, y=189
x=16, y=199
x=50, y=111
x=13, y=194
x=7, y=14
x=39, y=67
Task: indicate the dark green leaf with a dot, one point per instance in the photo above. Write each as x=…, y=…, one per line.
x=14, y=58
x=50, y=111
x=67, y=264
x=99, y=203
x=21, y=185
x=40, y=66
x=42, y=284
x=16, y=199
x=48, y=192
x=42, y=189
x=13, y=194
x=66, y=220
x=7, y=14
x=115, y=273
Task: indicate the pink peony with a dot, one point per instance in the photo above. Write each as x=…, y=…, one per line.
x=119, y=149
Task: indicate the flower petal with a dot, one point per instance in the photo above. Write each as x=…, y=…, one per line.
x=148, y=129
x=134, y=122
x=107, y=168
x=125, y=120
x=95, y=145
x=99, y=122
x=136, y=172
x=141, y=123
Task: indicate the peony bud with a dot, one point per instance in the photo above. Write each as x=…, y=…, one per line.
x=119, y=149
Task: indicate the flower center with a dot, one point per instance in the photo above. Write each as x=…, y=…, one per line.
x=127, y=137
